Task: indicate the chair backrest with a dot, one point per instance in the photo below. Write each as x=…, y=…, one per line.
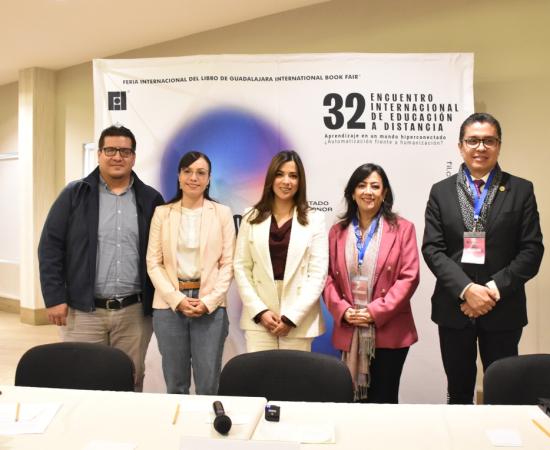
x=517, y=380
x=76, y=365
x=287, y=375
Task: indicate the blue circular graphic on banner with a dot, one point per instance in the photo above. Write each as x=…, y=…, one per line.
x=240, y=146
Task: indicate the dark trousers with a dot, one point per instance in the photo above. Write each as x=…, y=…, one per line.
x=385, y=369
x=459, y=354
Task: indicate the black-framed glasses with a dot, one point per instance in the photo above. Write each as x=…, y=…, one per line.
x=124, y=152
x=488, y=142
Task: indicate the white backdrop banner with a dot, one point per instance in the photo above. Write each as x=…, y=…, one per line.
x=402, y=111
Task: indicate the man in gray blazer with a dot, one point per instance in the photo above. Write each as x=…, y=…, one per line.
x=483, y=242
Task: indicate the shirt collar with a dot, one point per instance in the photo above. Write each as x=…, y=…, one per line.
x=484, y=177
x=103, y=183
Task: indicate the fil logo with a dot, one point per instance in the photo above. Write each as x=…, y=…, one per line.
x=117, y=100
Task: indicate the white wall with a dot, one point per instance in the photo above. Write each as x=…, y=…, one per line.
x=9, y=212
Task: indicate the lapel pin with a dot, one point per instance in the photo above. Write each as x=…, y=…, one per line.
x=501, y=188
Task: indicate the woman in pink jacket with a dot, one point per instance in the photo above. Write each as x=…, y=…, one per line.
x=373, y=273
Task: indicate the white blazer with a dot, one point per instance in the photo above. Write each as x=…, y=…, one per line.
x=304, y=278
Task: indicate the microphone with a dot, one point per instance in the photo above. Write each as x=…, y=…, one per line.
x=222, y=423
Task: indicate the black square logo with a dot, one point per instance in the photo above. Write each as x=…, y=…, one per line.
x=117, y=101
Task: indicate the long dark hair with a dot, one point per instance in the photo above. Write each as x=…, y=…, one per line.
x=262, y=210
x=185, y=161
x=357, y=176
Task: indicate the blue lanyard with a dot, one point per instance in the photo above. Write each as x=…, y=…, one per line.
x=479, y=199
x=362, y=246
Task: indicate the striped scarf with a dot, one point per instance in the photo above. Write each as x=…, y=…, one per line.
x=362, y=348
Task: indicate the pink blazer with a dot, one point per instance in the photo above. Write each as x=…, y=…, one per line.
x=395, y=280
x=217, y=245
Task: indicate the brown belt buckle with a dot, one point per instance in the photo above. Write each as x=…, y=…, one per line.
x=184, y=285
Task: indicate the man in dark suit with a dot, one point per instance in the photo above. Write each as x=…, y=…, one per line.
x=483, y=242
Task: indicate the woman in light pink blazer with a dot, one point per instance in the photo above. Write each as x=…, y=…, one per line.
x=373, y=273
x=189, y=261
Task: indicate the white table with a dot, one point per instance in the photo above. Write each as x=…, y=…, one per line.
x=412, y=427
x=146, y=420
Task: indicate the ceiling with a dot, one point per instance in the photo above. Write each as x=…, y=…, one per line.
x=55, y=34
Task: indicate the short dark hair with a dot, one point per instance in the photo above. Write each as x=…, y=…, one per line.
x=117, y=130
x=362, y=172
x=482, y=118
x=185, y=161
x=263, y=209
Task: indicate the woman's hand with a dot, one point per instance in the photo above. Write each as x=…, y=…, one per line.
x=281, y=330
x=199, y=306
x=349, y=315
x=270, y=320
x=192, y=307
x=358, y=317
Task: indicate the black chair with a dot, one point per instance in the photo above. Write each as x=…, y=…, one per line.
x=76, y=365
x=287, y=375
x=517, y=380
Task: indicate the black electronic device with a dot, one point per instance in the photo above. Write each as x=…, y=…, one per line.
x=272, y=413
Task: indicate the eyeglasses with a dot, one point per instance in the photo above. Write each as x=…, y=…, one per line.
x=489, y=142
x=124, y=152
x=200, y=173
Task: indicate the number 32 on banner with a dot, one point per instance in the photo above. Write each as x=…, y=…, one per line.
x=336, y=119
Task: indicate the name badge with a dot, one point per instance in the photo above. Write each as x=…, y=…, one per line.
x=474, y=248
x=359, y=286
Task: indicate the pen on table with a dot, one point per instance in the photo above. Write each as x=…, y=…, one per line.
x=17, y=408
x=176, y=414
x=541, y=428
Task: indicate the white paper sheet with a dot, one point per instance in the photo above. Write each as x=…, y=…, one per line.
x=190, y=406
x=504, y=437
x=318, y=433
x=33, y=417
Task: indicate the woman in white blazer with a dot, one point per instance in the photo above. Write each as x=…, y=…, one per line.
x=281, y=262
x=189, y=261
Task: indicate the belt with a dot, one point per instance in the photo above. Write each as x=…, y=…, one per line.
x=116, y=303
x=196, y=284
